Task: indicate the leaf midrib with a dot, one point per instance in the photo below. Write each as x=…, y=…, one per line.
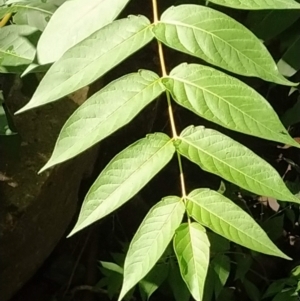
x=178, y=23
x=229, y=166
x=112, y=113
x=129, y=176
x=222, y=219
x=229, y=104
x=99, y=57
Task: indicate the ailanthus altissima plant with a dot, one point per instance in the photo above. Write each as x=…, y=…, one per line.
x=85, y=51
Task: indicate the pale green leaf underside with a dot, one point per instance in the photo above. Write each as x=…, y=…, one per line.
x=35, y=14
x=221, y=155
x=225, y=100
x=84, y=18
x=218, y=39
x=104, y=113
x=91, y=58
x=15, y=48
x=258, y=4
x=224, y=217
x=151, y=240
x=191, y=247
x=124, y=176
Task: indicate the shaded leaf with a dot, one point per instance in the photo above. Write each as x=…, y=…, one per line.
x=252, y=291
x=83, y=20
x=221, y=267
x=226, y=101
x=15, y=46
x=91, y=58
x=224, y=217
x=191, y=246
x=218, y=39
x=178, y=286
x=266, y=25
x=287, y=295
x=124, y=176
x=243, y=265
x=274, y=227
x=261, y=4
x=218, y=244
x=105, y=112
x=289, y=64
x=153, y=280
x=151, y=239
x=221, y=155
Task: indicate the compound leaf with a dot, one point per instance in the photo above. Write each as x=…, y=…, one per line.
x=258, y=4
x=221, y=155
x=225, y=100
x=151, y=240
x=191, y=247
x=124, y=176
x=105, y=112
x=224, y=217
x=82, y=20
x=219, y=40
x=91, y=58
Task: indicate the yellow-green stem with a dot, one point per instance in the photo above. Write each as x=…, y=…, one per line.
x=170, y=110
x=5, y=20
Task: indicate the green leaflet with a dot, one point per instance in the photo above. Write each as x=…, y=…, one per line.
x=224, y=217
x=218, y=39
x=33, y=13
x=221, y=155
x=15, y=48
x=153, y=280
x=221, y=267
x=106, y=111
x=258, y=4
x=91, y=58
x=83, y=20
x=191, y=247
x=151, y=239
x=124, y=176
x=225, y=100
x=267, y=24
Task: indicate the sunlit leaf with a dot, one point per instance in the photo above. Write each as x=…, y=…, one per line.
x=218, y=39
x=90, y=59
x=16, y=48
x=151, y=240
x=225, y=100
x=191, y=246
x=258, y=4
x=124, y=176
x=221, y=155
x=224, y=217
x=33, y=13
x=83, y=19
x=105, y=112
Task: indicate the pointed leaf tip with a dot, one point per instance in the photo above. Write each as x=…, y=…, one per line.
x=124, y=176
x=227, y=219
x=151, y=240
